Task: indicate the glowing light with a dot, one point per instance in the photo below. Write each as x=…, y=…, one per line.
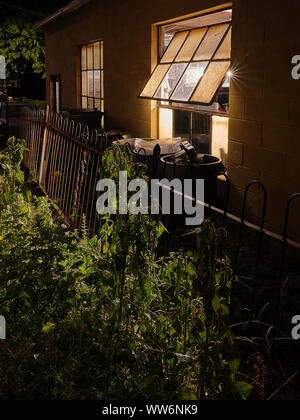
x=229, y=73
x=220, y=137
x=165, y=123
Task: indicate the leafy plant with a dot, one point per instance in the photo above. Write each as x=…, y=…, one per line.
x=106, y=317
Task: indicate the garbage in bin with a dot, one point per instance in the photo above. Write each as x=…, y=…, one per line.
x=188, y=164
x=143, y=148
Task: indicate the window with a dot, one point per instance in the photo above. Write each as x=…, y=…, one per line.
x=193, y=67
x=191, y=81
x=92, y=76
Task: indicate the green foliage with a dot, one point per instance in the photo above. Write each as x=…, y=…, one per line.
x=22, y=47
x=106, y=318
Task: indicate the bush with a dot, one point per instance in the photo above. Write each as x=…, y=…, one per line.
x=105, y=318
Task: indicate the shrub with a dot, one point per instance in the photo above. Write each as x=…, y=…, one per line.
x=105, y=317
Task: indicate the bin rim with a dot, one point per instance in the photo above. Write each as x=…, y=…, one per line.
x=172, y=162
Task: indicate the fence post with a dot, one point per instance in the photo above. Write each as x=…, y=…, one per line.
x=41, y=170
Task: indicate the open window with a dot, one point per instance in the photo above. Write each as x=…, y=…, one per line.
x=193, y=67
x=190, y=84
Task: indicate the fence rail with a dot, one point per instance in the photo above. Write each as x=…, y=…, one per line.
x=64, y=158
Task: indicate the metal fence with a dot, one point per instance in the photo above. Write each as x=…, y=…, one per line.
x=64, y=158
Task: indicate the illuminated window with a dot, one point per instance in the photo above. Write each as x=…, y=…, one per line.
x=193, y=67
x=92, y=76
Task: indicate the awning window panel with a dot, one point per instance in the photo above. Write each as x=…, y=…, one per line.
x=191, y=44
x=211, y=42
x=155, y=80
x=189, y=81
x=174, y=47
x=170, y=81
x=224, y=51
x=211, y=81
x=193, y=66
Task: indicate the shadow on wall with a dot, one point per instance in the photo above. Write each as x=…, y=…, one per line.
x=275, y=209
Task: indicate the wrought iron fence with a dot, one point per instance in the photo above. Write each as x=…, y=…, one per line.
x=64, y=158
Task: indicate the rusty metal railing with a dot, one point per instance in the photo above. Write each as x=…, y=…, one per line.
x=64, y=158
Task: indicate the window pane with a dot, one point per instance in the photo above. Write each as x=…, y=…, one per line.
x=102, y=84
x=90, y=59
x=174, y=47
x=98, y=104
x=155, y=80
x=90, y=83
x=83, y=58
x=101, y=52
x=170, y=81
x=225, y=49
x=84, y=102
x=84, y=83
x=97, y=55
x=210, y=82
x=210, y=42
x=188, y=50
x=90, y=103
x=189, y=81
x=97, y=84
x=102, y=106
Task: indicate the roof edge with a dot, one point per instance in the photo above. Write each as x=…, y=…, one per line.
x=69, y=8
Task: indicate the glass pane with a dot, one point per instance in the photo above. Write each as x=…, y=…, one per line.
x=191, y=44
x=97, y=84
x=182, y=124
x=170, y=81
x=211, y=42
x=97, y=55
x=90, y=83
x=90, y=103
x=101, y=52
x=189, y=81
x=83, y=58
x=83, y=83
x=102, y=84
x=98, y=104
x=84, y=102
x=225, y=49
x=210, y=82
x=90, y=58
x=174, y=47
x=102, y=106
x=155, y=80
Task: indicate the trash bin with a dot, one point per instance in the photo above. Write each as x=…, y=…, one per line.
x=207, y=167
x=90, y=117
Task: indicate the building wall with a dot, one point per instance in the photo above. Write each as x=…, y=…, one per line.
x=264, y=141
x=126, y=28
x=264, y=135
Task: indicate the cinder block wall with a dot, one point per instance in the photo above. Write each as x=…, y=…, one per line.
x=264, y=135
x=126, y=28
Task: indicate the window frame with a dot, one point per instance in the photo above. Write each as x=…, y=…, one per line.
x=169, y=63
x=94, y=98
